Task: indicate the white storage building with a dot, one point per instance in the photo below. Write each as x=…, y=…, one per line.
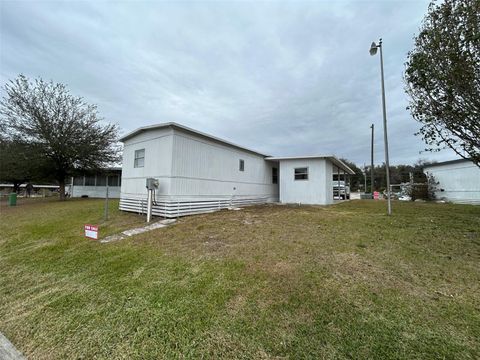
x=198, y=172
x=309, y=179
x=458, y=181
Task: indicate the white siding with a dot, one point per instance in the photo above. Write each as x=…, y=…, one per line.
x=203, y=168
x=460, y=182
x=95, y=191
x=196, y=174
x=158, y=163
x=316, y=190
x=328, y=185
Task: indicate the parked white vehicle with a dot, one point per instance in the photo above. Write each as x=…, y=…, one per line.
x=340, y=190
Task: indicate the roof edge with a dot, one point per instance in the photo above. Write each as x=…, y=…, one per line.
x=333, y=158
x=448, y=162
x=144, y=128
x=178, y=126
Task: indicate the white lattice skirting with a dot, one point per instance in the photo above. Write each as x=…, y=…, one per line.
x=173, y=209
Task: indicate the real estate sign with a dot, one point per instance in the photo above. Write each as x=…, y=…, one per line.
x=91, y=231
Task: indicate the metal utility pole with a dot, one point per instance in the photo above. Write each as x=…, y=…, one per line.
x=149, y=204
x=151, y=185
x=371, y=158
x=106, y=200
x=338, y=182
x=365, y=177
x=373, y=51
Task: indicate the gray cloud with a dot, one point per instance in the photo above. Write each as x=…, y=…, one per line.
x=283, y=78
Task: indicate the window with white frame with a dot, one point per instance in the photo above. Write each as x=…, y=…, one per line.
x=301, y=173
x=139, y=158
x=241, y=165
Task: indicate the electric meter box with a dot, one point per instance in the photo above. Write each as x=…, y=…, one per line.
x=152, y=183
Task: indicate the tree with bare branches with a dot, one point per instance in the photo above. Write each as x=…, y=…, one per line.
x=66, y=130
x=443, y=78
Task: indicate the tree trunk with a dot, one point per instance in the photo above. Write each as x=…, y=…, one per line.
x=61, y=189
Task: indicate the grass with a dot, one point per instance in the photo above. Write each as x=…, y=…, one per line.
x=337, y=282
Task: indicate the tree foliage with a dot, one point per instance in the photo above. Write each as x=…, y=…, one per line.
x=424, y=191
x=356, y=180
x=399, y=174
x=63, y=128
x=443, y=78
x=21, y=162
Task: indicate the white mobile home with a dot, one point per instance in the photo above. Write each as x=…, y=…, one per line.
x=198, y=172
x=458, y=181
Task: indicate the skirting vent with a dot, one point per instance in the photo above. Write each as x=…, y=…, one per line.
x=173, y=209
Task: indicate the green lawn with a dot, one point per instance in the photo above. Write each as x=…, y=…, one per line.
x=337, y=282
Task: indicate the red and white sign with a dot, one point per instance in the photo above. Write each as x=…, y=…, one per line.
x=91, y=231
x=376, y=195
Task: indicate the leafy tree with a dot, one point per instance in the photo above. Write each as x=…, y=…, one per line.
x=399, y=174
x=418, y=175
x=357, y=180
x=21, y=162
x=65, y=129
x=424, y=191
x=443, y=78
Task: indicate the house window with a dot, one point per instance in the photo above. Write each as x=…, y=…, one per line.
x=78, y=181
x=139, y=158
x=241, y=165
x=113, y=180
x=301, y=173
x=274, y=175
x=90, y=180
x=101, y=180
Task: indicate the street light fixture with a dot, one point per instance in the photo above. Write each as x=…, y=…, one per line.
x=373, y=51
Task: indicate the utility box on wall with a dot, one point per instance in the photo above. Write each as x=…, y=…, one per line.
x=152, y=184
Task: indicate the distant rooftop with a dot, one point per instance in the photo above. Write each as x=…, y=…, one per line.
x=448, y=162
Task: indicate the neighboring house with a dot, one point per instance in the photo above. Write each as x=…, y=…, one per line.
x=198, y=173
x=458, y=181
x=95, y=184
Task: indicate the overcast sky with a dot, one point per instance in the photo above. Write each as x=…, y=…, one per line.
x=283, y=78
